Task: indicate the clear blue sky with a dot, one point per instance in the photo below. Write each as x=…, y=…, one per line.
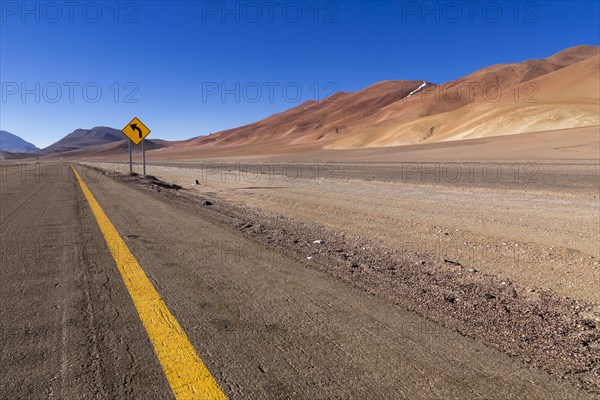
x=175, y=59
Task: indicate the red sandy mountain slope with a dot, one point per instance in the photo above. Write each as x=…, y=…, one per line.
x=557, y=92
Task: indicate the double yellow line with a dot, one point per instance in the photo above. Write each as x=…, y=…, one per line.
x=186, y=373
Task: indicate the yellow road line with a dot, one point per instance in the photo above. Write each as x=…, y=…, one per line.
x=188, y=376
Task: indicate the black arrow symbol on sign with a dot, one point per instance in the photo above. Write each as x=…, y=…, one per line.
x=134, y=127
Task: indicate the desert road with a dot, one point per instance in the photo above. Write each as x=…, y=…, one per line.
x=109, y=292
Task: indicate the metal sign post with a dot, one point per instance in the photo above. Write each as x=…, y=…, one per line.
x=144, y=156
x=130, y=163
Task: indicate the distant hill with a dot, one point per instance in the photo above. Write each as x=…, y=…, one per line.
x=83, y=138
x=113, y=149
x=5, y=155
x=14, y=144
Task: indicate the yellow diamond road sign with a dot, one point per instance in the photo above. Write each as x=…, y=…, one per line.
x=136, y=131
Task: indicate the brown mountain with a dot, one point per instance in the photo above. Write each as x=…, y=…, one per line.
x=7, y=155
x=557, y=92
x=113, y=149
x=84, y=138
x=10, y=142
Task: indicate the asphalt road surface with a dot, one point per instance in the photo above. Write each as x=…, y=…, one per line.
x=264, y=325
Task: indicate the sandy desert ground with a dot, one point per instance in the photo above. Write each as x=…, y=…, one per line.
x=539, y=237
x=525, y=207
